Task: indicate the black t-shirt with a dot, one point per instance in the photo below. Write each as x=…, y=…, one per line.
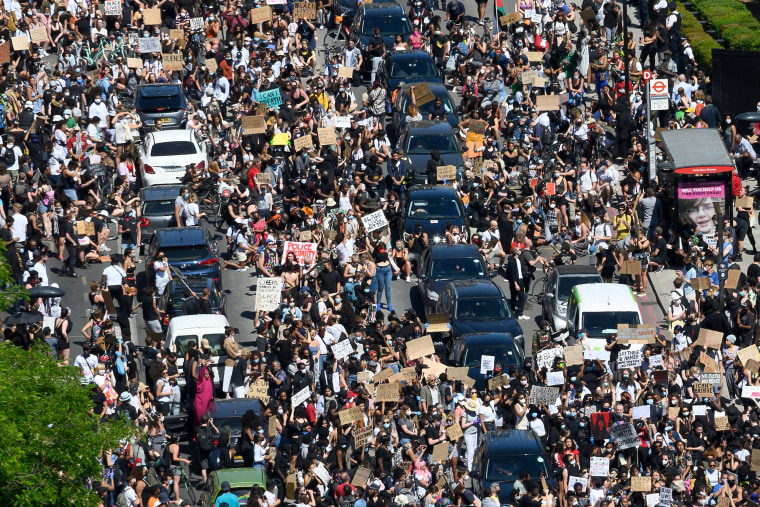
x=149, y=313
x=129, y=224
x=753, y=272
x=385, y=455
x=238, y=372
x=661, y=246
x=329, y=280
x=378, y=43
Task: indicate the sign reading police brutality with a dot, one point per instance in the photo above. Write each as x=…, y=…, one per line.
x=301, y=251
x=374, y=221
x=272, y=98
x=113, y=8
x=342, y=349
x=625, y=436
x=149, y=45
x=268, y=294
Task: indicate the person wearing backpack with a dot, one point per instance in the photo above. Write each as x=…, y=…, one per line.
x=11, y=155
x=128, y=496
x=205, y=440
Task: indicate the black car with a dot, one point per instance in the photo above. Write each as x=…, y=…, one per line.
x=173, y=298
x=389, y=17
x=418, y=138
x=559, y=284
x=410, y=67
x=165, y=102
x=442, y=264
x=503, y=455
x=191, y=250
x=439, y=91
x=157, y=209
x=229, y=416
x=469, y=348
x=478, y=306
x=431, y=207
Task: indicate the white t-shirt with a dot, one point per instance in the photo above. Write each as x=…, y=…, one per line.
x=19, y=227
x=114, y=275
x=86, y=365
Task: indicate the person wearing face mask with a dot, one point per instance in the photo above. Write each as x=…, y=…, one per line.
x=130, y=229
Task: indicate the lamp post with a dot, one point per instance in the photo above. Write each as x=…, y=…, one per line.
x=625, y=52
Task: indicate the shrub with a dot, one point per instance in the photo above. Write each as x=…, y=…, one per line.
x=732, y=21
x=700, y=41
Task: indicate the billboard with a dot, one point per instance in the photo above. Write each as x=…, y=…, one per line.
x=699, y=203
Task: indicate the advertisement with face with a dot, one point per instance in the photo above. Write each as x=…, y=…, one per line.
x=699, y=203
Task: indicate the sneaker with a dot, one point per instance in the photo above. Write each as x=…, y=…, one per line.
x=390, y=308
x=660, y=269
x=408, y=279
x=104, y=248
x=379, y=307
x=523, y=317
x=243, y=270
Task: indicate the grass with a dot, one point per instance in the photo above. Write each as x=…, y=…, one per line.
x=701, y=43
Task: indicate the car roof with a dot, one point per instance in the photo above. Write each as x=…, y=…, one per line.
x=429, y=127
x=235, y=407
x=205, y=321
x=164, y=136
x=382, y=8
x=453, y=251
x=476, y=289
x=576, y=269
x=178, y=285
x=420, y=191
x=512, y=442
x=411, y=55
x=181, y=236
x=158, y=192
x=241, y=477
x=476, y=339
x=606, y=296
x=159, y=89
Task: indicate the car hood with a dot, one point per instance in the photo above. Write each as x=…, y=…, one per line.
x=419, y=162
x=462, y=327
x=395, y=82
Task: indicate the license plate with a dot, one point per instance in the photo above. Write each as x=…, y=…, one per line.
x=238, y=457
x=166, y=120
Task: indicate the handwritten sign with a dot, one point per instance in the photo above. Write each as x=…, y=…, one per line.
x=508, y=19
x=254, y=125
x=703, y=390
x=343, y=122
x=641, y=412
x=629, y=359
x=350, y=415
x=301, y=396
x=149, y=45
x=327, y=136
x=454, y=432
x=498, y=382
x=709, y=339
x=641, y=484
x=302, y=143
x=361, y=477
x=268, y=294
x=420, y=347
x=152, y=16
x=134, y=63
x=5, y=52
x=113, y=8
x=259, y=390
x=711, y=366
x=272, y=98
x=600, y=467
x=305, y=10
x=545, y=395
x=177, y=34
x=478, y=126
x=446, y=173
x=346, y=72
x=574, y=355
x=20, y=43
x=261, y=14
x=722, y=424
x=342, y=349
x=487, y=364
x=555, y=378
x=573, y=481
x=306, y=253
x=545, y=358
x=625, y=436
x=171, y=61
x=750, y=353
x=263, y=179
x=440, y=452
x=700, y=283
x=387, y=392
x=362, y=436
x=374, y=221
x=422, y=94
x=38, y=35
x=383, y=375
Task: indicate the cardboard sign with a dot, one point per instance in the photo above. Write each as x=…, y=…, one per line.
x=268, y=294
x=152, y=16
x=113, y=8
x=263, y=179
x=20, y=43
x=539, y=82
x=374, y=221
x=535, y=56
x=498, y=382
x=177, y=34
x=547, y=102
x=590, y=20
x=673, y=412
x=437, y=322
x=254, y=125
x=625, y=436
x=361, y=436
x=361, y=477
x=212, y=67
x=508, y=19
x=346, y=72
x=5, y=52
x=440, y=452
x=746, y=202
x=171, y=61
x=454, y=432
x=38, y=35
x=350, y=415
x=700, y=283
x=85, y=228
x=272, y=427
x=528, y=76
x=432, y=367
x=545, y=395
x=305, y=10
x=722, y=424
x=733, y=279
x=422, y=94
x=302, y=143
x=259, y=390
x=478, y=126
x=383, y=375
x=630, y=267
x=574, y=355
x=261, y=14
x=641, y=484
x=134, y=63
x=755, y=460
x=709, y=339
x=709, y=363
x=748, y=354
x=327, y=136
x=600, y=467
x=108, y=301
x=387, y=392
x=703, y=390
x=420, y=347
x=446, y=173
x=405, y=375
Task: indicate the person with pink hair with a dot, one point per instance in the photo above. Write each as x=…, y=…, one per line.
x=423, y=477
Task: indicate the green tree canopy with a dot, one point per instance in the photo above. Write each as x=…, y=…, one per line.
x=49, y=441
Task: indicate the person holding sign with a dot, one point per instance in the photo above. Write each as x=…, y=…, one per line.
x=384, y=271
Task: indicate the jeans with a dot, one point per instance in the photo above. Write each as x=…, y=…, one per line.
x=384, y=275
x=471, y=439
x=318, y=374
x=71, y=260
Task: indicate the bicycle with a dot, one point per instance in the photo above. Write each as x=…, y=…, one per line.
x=184, y=480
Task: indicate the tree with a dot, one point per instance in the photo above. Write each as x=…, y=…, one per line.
x=50, y=443
x=11, y=291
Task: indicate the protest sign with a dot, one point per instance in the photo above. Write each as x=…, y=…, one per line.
x=600, y=422
x=5, y=52
x=446, y=173
x=574, y=355
x=440, y=452
x=722, y=423
x=478, y=126
x=641, y=411
x=259, y=390
x=601, y=355
x=751, y=392
x=750, y=353
x=700, y=283
x=555, y=378
x=546, y=395
x=733, y=279
x=152, y=16
x=666, y=495
x=699, y=409
x=361, y=477
x=660, y=376
x=374, y=221
x=113, y=8
x=387, y=392
x=709, y=339
x=422, y=94
x=350, y=415
x=306, y=253
x=149, y=45
x=630, y=267
x=346, y=72
x=134, y=63
x=711, y=378
x=589, y=19
x=260, y=15
x=196, y=23
x=641, y=484
x=263, y=179
x=673, y=412
x=301, y=396
x=535, y=56
x=343, y=122
x=572, y=481
x=211, y=66
x=487, y=364
x=361, y=436
x=432, y=367
x=322, y=474
x=625, y=436
x=629, y=359
x=254, y=125
x=497, y=382
x=600, y=467
x=655, y=360
x=85, y=228
x=342, y=349
x=20, y=43
x=755, y=460
x=405, y=374
x=38, y=35
x=272, y=427
x=454, y=432
x=383, y=375
x=177, y=34
x=268, y=294
x=652, y=499
x=305, y=10
x=420, y=347
x=508, y=19
x=436, y=322
x=711, y=366
x=327, y=136
x=271, y=98
x=364, y=377
x=547, y=102
x=545, y=358
x=302, y=143
x=703, y=390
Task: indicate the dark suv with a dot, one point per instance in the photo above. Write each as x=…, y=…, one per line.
x=442, y=264
x=191, y=250
x=165, y=102
x=389, y=17
x=157, y=208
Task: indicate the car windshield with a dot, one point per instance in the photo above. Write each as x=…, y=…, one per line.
x=214, y=341
x=161, y=208
x=160, y=103
x=457, y=269
x=178, y=298
x=504, y=354
x=597, y=323
x=242, y=494
x=423, y=144
x=509, y=468
x=408, y=67
x=172, y=149
x=566, y=284
x=186, y=253
x=482, y=309
x=390, y=25
x=434, y=209
x=425, y=109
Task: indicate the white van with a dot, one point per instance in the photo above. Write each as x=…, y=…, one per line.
x=186, y=328
x=600, y=307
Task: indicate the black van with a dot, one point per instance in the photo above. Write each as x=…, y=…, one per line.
x=165, y=102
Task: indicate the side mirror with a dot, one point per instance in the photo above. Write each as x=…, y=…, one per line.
x=492, y=273
x=475, y=474
x=549, y=295
x=422, y=276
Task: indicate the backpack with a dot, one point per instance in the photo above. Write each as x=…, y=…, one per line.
x=685, y=303
x=205, y=441
x=120, y=367
x=121, y=500
x=349, y=291
x=9, y=157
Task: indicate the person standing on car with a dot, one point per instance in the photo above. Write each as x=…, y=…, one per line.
x=516, y=283
x=376, y=48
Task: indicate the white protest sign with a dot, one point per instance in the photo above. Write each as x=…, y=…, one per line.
x=545, y=358
x=653, y=499
x=699, y=409
x=629, y=359
x=268, y=294
x=302, y=251
x=750, y=392
x=655, y=360
x=555, y=378
x=486, y=364
x=625, y=435
x=149, y=45
x=600, y=467
x=343, y=122
x=342, y=349
x=374, y=221
x=572, y=481
x=666, y=495
x=301, y=396
x=644, y=411
x=541, y=394
x=602, y=355
x=196, y=23
x=113, y=8
x=322, y=474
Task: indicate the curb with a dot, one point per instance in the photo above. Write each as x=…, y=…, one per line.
x=663, y=308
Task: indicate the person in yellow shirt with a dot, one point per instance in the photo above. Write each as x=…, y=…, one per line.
x=623, y=223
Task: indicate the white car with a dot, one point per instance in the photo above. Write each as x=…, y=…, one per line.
x=164, y=156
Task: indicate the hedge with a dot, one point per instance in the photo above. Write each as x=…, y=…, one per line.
x=732, y=21
x=701, y=43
